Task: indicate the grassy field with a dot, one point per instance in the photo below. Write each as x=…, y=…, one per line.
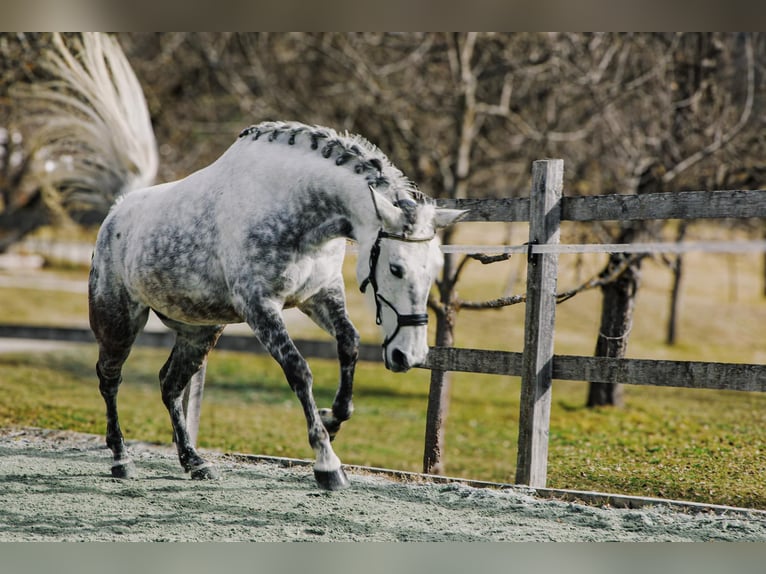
x=707, y=446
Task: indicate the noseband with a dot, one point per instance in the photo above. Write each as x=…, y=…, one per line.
x=413, y=320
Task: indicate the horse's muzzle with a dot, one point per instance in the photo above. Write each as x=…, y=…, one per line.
x=399, y=362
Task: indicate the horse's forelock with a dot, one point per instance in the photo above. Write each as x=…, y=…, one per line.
x=418, y=219
x=417, y=207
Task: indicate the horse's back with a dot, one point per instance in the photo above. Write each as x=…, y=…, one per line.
x=195, y=248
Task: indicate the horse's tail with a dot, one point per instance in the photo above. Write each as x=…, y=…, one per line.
x=91, y=129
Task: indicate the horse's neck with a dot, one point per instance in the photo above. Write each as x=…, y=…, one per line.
x=312, y=187
x=339, y=197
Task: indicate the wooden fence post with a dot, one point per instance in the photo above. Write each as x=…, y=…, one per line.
x=537, y=361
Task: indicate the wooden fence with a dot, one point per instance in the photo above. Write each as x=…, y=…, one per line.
x=537, y=365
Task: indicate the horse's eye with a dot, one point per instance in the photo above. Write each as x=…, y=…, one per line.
x=396, y=270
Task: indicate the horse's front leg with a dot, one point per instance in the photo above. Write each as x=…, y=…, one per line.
x=328, y=310
x=268, y=326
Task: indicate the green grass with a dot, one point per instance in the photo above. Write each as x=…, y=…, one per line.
x=706, y=446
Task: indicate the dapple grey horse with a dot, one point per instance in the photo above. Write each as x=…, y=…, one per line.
x=261, y=229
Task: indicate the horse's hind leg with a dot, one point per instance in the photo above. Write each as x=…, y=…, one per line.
x=115, y=327
x=186, y=359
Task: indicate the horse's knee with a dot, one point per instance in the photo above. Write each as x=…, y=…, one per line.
x=348, y=346
x=173, y=381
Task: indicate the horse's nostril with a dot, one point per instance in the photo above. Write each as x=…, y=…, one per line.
x=400, y=359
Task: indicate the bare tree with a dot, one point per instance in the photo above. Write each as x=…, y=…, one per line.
x=22, y=203
x=696, y=105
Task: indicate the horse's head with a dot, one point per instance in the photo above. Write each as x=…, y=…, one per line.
x=400, y=261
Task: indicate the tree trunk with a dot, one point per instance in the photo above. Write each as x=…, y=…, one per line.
x=616, y=323
x=675, y=291
x=619, y=296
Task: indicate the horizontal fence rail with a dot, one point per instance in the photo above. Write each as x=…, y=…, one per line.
x=683, y=374
x=166, y=339
x=670, y=205
x=755, y=246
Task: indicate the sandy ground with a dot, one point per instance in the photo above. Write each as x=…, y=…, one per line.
x=55, y=486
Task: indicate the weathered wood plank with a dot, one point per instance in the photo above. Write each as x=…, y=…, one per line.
x=683, y=374
x=72, y=334
x=671, y=205
x=241, y=343
x=537, y=367
x=490, y=209
x=473, y=361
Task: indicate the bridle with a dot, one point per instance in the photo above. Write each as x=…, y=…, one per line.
x=413, y=320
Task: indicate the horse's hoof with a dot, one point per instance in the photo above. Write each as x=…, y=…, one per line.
x=125, y=469
x=205, y=471
x=331, y=479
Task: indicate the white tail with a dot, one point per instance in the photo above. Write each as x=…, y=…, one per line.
x=91, y=126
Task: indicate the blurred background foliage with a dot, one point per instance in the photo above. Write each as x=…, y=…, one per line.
x=462, y=114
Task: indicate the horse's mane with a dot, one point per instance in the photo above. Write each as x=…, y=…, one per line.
x=350, y=151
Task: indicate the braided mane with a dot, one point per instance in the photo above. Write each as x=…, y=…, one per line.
x=350, y=151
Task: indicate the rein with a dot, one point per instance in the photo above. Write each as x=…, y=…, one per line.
x=413, y=320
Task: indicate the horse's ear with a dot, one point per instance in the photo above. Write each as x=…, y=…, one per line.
x=445, y=217
x=388, y=213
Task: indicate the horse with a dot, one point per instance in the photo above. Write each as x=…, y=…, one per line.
x=264, y=228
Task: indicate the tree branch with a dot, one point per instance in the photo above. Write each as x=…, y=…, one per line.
x=600, y=280
x=484, y=259
x=487, y=259
x=596, y=281
x=721, y=141
x=435, y=305
x=498, y=303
